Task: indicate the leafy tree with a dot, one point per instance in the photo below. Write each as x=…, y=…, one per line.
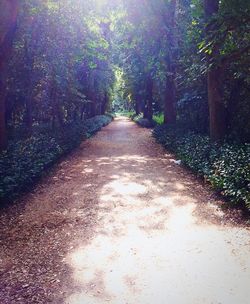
x=8, y=22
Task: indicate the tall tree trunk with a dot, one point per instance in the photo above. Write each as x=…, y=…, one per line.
x=3, y=135
x=148, y=111
x=56, y=109
x=28, y=118
x=217, y=110
x=233, y=101
x=104, y=103
x=8, y=20
x=92, y=97
x=215, y=76
x=98, y=108
x=92, y=105
x=137, y=106
x=170, y=94
x=138, y=100
x=29, y=62
x=170, y=101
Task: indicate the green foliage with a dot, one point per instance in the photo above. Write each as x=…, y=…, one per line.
x=73, y=58
x=231, y=172
x=158, y=118
x=193, y=112
x=94, y=124
x=225, y=166
x=70, y=59
x=143, y=122
x=129, y=114
x=25, y=160
x=60, y=69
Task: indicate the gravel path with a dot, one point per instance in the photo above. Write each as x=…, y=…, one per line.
x=119, y=222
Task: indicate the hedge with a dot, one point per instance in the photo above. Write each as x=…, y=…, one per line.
x=25, y=160
x=226, y=166
x=143, y=122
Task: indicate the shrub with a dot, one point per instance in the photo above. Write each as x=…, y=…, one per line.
x=192, y=111
x=25, y=160
x=94, y=124
x=158, y=119
x=231, y=172
x=225, y=166
x=143, y=122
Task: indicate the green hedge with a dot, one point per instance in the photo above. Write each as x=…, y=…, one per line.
x=94, y=124
x=226, y=166
x=25, y=160
x=143, y=122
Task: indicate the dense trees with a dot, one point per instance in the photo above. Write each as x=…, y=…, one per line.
x=218, y=33
x=59, y=68
x=8, y=23
x=197, y=55
x=214, y=77
x=185, y=58
x=63, y=62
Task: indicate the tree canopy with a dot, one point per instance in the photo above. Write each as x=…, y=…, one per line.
x=63, y=61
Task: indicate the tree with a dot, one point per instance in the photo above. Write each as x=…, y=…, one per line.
x=8, y=24
x=227, y=41
x=215, y=76
x=170, y=96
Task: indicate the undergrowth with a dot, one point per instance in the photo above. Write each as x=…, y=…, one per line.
x=158, y=118
x=226, y=166
x=143, y=122
x=25, y=160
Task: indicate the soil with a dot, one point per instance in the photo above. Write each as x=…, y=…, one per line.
x=119, y=221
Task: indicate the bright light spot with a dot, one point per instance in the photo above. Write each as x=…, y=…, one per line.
x=149, y=247
x=87, y=170
x=179, y=186
x=125, y=188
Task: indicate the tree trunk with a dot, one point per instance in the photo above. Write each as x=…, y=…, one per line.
x=170, y=101
x=92, y=106
x=137, y=106
x=29, y=62
x=137, y=101
x=98, y=108
x=56, y=109
x=170, y=94
x=8, y=19
x=217, y=111
x=92, y=97
x=3, y=135
x=215, y=75
x=236, y=87
x=148, y=111
x=104, y=103
x=57, y=114
x=28, y=118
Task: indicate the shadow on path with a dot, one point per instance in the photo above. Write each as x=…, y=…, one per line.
x=125, y=224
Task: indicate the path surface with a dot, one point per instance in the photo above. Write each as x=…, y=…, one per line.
x=119, y=222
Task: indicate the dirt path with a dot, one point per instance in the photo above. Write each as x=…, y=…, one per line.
x=119, y=222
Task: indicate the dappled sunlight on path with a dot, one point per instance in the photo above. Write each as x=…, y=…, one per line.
x=151, y=242
x=118, y=221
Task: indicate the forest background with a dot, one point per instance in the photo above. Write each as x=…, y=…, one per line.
x=181, y=66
